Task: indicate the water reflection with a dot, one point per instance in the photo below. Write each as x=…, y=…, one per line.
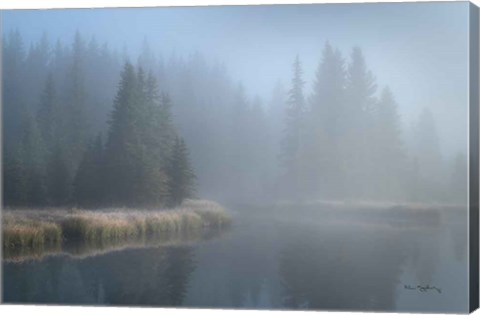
x=348, y=265
x=159, y=277
x=149, y=276
x=293, y=262
x=82, y=249
x=342, y=268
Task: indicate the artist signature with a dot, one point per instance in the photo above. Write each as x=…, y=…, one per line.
x=422, y=288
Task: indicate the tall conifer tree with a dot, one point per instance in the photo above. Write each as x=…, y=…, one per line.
x=357, y=126
x=323, y=161
x=293, y=134
x=180, y=174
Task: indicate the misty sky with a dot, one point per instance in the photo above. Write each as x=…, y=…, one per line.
x=419, y=49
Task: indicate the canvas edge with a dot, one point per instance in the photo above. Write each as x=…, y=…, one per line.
x=473, y=189
x=473, y=149
x=1, y=152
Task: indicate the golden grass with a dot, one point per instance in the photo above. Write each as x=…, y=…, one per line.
x=24, y=232
x=36, y=228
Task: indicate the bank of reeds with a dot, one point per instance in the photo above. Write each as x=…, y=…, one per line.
x=21, y=231
x=38, y=228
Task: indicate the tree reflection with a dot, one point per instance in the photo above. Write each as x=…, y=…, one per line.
x=342, y=268
x=154, y=276
x=149, y=276
x=334, y=263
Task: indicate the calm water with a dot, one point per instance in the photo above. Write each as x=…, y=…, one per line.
x=269, y=260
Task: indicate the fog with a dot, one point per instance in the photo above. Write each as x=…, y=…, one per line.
x=419, y=50
x=228, y=72
x=147, y=152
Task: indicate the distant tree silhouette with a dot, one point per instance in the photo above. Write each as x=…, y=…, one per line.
x=357, y=125
x=59, y=180
x=181, y=179
x=294, y=132
x=323, y=160
x=342, y=140
x=388, y=153
x=88, y=182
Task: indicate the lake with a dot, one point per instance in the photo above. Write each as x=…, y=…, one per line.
x=270, y=259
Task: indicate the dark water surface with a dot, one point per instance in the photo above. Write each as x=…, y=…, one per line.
x=268, y=260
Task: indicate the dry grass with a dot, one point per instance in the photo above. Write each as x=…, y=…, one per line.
x=36, y=228
x=20, y=231
x=211, y=212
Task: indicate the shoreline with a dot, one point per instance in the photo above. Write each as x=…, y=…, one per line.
x=49, y=228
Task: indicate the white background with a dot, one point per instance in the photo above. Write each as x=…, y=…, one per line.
x=57, y=310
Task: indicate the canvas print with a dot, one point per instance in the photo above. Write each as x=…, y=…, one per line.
x=314, y=157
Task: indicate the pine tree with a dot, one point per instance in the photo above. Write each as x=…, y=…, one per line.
x=59, y=66
x=276, y=112
x=146, y=60
x=427, y=154
x=76, y=103
x=387, y=149
x=181, y=178
x=34, y=157
x=37, y=62
x=356, y=124
x=48, y=113
x=158, y=125
x=275, y=121
x=361, y=86
x=88, y=182
x=293, y=134
x=294, y=117
x=15, y=179
x=150, y=182
x=323, y=162
x=13, y=98
x=122, y=133
x=238, y=143
x=328, y=99
x=133, y=165
x=13, y=108
x=59, y=180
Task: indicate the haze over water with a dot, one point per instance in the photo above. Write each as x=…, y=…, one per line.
x=335, y=136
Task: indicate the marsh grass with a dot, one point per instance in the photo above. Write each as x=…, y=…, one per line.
x=82, y=250
x=20, y=231
x=37, y=229
x=389, y=214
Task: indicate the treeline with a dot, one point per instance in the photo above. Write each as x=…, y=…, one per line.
x=345, y=140
x=52, y=156
x=227, y=132
x=67, y=133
